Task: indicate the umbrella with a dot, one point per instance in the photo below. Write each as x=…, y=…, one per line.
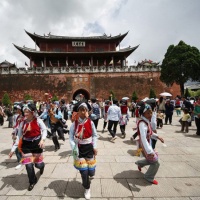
x=150, y=101
x=125, y=98
x=165, y=94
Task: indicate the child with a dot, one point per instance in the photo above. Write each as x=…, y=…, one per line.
x=83, y=141
x=145, y=134
x=160, y=117
x=185, y=120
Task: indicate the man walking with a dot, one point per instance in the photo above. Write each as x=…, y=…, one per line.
x=114, y=114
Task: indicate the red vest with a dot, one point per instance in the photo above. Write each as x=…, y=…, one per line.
x=124, y=110
x=106, y=108
x=31, y=129
x=19, y=119
x=85, y=127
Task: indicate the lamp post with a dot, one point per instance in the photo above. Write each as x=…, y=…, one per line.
x=111, y=96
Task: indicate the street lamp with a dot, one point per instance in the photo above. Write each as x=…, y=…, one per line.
x=111, y=96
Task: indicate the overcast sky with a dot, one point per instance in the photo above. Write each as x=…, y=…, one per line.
x=152, y=24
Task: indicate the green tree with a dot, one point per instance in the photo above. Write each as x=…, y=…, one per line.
x=54, y=98
x=181, y=63
x=187, y=93
x=134, y=96
x=152, y=93
x=111, y=94
x=6, y=99
x=27, y=97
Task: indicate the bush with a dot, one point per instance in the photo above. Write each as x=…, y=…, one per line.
x=6, y=99
x=27, y=97
x=152, y=94
x=134, y=96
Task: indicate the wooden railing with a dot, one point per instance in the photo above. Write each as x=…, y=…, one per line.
x=72, y=69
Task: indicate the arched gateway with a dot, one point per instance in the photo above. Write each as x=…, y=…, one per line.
x=81, y=93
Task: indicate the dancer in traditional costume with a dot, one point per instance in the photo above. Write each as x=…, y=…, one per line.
x=30, y=141
x=83, y=141
x=56, y=124
x=19, y=119
x=124, y=117
x=145, y=134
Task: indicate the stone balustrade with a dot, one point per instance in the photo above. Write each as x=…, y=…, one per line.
x=85, y=69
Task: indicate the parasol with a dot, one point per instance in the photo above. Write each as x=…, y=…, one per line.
x=165, y=94
x=125, y=98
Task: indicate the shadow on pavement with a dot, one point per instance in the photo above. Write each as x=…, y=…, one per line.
x=67, y=188
x=65, y=154
x=131, y=184
x=129, y=142
x=5, y=151
x=14, y=182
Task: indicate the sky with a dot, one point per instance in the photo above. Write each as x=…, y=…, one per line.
x=151, y=24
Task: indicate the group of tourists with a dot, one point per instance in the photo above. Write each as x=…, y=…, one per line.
x=34, y=122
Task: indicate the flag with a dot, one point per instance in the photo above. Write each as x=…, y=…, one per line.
x=81, y=63
x=42, y=64
x=89, y=63
x=74, y=62
x=50, y=64
x=97, y=63
x=104, y=62
x=58, y=63
x=66, y=63
x=119, y=62
x=26, y=64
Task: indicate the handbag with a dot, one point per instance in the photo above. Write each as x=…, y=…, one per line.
x=152, y=159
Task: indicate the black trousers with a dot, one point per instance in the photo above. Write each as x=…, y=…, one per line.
x=159, y=122
x=31, y=171
x=168, y=117
x=32, y=147
x=85, y=174
x=122, y=128
x=96, y=121
x=197, y=122
x=114, y=125
x=57, y=128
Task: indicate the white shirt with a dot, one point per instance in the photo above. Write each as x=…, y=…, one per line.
x=114, y=113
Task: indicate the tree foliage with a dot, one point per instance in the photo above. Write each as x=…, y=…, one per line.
x=181, y=63
x=152, y=93
x=54, y=98
x=27, y=97
x=134, y=96
x=187, y=93
x=6, y=99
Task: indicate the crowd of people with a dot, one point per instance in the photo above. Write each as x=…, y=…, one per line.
x=33, y=122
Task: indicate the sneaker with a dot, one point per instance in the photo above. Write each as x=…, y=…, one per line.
x=113, y=139
x=18, y=166
x=87, y=194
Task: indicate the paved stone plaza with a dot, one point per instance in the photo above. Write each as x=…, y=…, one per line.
x=116, y=177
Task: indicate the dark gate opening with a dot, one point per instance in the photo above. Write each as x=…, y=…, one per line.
x=81, y=94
